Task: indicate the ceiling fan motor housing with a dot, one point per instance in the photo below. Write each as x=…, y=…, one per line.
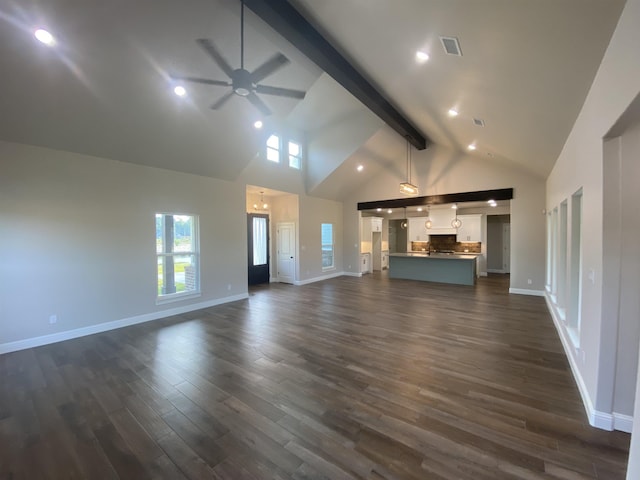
x=242, y=83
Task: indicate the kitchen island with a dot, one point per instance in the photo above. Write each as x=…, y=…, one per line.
x=435, y=267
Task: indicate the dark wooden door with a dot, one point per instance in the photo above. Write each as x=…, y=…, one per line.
x=258, y=248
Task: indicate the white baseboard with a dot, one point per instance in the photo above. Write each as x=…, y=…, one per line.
x=319, y=279
x=621, y=422
x=352, y=274
x=484, y=274
x=524, y=291
x=103, y=327
x=495, y=270
x=598, y=419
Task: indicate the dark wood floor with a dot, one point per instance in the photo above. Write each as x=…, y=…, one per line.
x=347, y=378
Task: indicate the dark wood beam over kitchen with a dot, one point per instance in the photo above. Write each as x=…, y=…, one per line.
x=480, y=196
x=288, y=22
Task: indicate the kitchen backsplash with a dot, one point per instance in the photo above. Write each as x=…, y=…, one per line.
x=446, y=243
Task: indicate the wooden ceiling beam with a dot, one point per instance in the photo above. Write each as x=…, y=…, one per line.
x=288, y=22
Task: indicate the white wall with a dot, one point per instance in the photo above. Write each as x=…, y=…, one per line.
x=78, y=239
x=440, y=170
x=580, y=165
x=313, y=213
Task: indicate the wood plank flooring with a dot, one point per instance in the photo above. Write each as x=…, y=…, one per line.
x=347, y=378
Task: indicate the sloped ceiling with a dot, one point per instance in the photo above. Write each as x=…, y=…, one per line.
x=104, y=89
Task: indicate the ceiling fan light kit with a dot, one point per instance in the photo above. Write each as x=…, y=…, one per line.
x=244, y=83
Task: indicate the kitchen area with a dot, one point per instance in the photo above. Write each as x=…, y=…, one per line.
x=439, y=243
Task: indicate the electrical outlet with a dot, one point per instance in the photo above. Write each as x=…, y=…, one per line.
x=529, y=281
x=228, y=286
x=53, y=319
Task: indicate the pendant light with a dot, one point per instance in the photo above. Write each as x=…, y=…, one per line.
x=407, y=187
x=428, y=224
x=456, y=222
x=404, y=222
x=264, y=205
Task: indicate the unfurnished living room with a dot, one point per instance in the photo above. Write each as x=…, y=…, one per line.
x=290, y=239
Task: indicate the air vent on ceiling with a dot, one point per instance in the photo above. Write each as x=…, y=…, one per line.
x=451, y=46
x=478, y=122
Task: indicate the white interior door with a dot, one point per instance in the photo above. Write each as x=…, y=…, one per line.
x=286, y=238
x=506, y=248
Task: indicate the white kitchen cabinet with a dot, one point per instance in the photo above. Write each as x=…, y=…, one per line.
x=370, y=225
x=365, y=263
x=471, y=229
x=417, y=231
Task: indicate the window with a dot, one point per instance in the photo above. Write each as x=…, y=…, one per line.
x=177, y=256
x=273, y=148
x=327, y=246
x=295, y=155
x=260, y=235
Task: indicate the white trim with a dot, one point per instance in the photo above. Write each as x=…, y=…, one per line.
x=352, y=274
x=318, y=279
x=103, y=327
x=483, y=274
x=602, y=420
x=621, y=422
x=526, y=291
x=495, y=270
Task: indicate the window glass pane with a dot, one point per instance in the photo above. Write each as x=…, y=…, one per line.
x=259, y=241
x=294, y=149
x=327, y=245
x=184, y=273
x=160, y=275
x=183, y=233
x=294, y=162
x=273, y=155
x=159, y=235
x=274, y=142
x=327, y=233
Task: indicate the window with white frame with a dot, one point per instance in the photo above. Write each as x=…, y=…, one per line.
x=273, y=148
x=177, y=256
x=327, y=246
x=295, y=155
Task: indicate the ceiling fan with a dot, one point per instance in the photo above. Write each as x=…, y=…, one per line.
x=243, y=82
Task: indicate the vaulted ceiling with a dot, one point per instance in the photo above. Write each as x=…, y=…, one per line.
x=105, y=88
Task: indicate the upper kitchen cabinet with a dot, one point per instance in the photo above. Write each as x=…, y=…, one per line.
x=417, y=230
x=370, y=225
x=471, y=229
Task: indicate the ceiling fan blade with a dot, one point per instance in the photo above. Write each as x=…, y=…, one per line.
x=281, y=92
x=222, y=100
x=201, y=80
x=259, y=104
x=208, y=47
x=269, y=67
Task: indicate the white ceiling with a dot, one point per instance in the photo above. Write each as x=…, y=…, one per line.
x=104, y=89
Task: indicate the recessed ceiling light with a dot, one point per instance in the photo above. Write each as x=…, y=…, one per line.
x=454, y=206
x=44, y=36
x=422, y=56
x=453, y=112
x=378, y=209
x=360, y=168
x=258, y=124
x=389, y=211
x=419, y=209
x=180, y=91
x=472, y=146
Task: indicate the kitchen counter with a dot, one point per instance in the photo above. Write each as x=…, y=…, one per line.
x=458, y=268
